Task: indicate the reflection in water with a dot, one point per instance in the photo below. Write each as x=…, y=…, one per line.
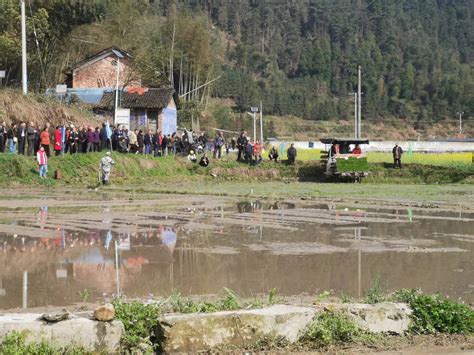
x=250, y=248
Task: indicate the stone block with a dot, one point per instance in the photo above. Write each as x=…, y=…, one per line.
x=200, y=332
x=384, y=317
x=77, y=330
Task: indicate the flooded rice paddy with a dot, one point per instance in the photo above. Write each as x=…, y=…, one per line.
x=59, y=249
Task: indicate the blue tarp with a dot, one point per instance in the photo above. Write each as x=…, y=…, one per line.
x=170, y=120
x=88, y=96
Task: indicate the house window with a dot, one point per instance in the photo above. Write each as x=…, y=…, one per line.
x=138, y=119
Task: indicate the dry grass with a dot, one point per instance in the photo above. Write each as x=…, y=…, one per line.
x=39, y=109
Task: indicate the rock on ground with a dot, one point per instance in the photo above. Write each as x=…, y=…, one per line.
x=80, y=331
x=105, y=313
x=199, y=332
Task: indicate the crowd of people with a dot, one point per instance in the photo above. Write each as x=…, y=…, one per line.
x=31, y=140
x=28, y=139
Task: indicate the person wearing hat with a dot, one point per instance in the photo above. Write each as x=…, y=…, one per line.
x=106, y=168
x=192, y=156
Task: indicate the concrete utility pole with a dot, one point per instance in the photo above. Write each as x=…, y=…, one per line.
x=254, y=110
x=356, y=123
x=460, y=121
x=254, y=128
x=24, y=78
x=359, y=104
x=117, y=90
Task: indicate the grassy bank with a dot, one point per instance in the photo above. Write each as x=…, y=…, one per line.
x=83, y=170
x=435, y=159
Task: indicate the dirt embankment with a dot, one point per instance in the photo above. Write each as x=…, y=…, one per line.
x=39, y=109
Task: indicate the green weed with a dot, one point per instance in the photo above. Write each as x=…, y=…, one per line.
x=376, y=293
x=435, y=314
x=84, y=295
x=273, y=297
x=324, y=296
x=180, y=304
x=332, y=328
x=15, y=343
x=140, y=322
x=230, y=301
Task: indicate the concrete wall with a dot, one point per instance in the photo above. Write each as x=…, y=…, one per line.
x=387, y=146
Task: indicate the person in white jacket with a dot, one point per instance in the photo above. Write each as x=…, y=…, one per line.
x=42, y=159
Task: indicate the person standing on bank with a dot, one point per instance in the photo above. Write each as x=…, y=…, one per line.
x=291, y=154
x=219, y=142
x=106, y=168
x=12, y=139
x=397, y=152
x=73, y=140
x=104, y=139
x=21, y=135
x=42, y=159
x=31, y=138
x=241, y=143
x=45, y=140
x=3, y=134
x=58, y=141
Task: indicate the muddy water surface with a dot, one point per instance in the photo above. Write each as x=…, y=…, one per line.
x=56, y=251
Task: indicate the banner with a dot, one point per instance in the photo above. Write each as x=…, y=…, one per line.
x=170, y=121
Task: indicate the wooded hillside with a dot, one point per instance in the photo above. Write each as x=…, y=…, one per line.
x=298, y=56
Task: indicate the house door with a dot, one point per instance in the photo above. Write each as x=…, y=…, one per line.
x=152, y=120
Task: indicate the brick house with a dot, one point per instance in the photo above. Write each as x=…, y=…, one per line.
x=94, y=80
x=100, y=71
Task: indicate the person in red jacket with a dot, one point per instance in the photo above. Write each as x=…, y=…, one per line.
x=257, y=152
x=357, y=150
x=57, y=141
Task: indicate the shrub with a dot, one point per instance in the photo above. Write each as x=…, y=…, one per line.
x=434, y=314
x=334, y=328
x=140, y=322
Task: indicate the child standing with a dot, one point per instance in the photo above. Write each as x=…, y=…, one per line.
x=42, y=159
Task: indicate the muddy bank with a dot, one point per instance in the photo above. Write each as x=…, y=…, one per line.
x=280, y=328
